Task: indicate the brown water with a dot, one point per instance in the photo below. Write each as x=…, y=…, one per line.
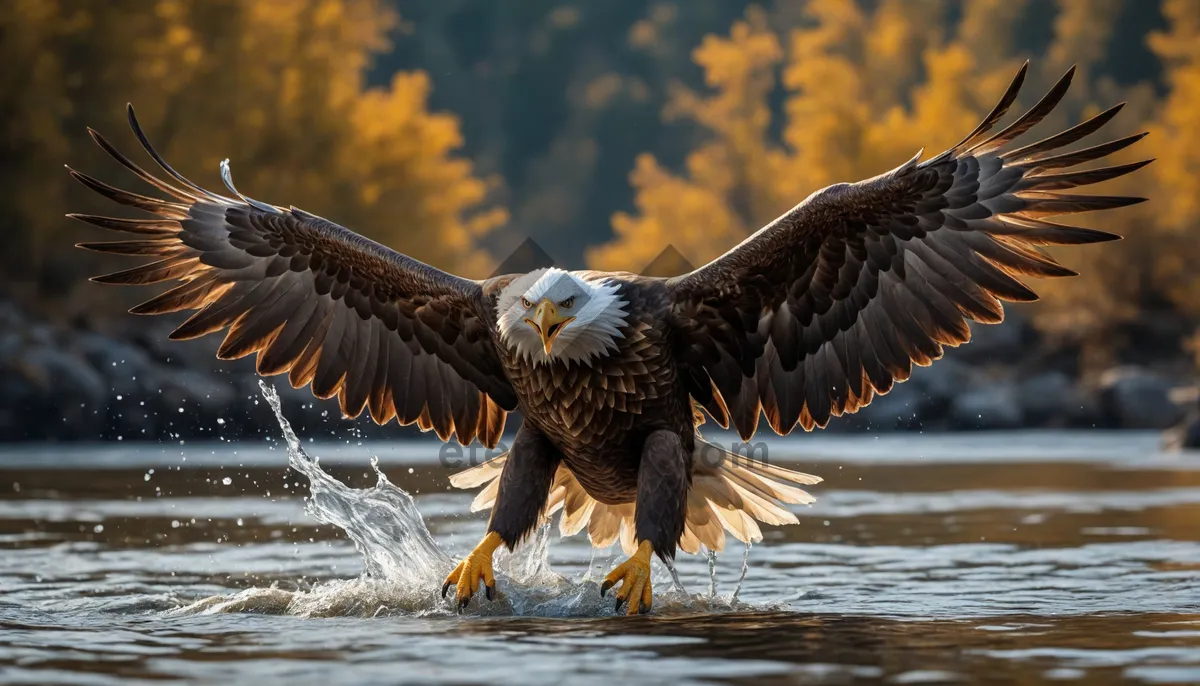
x=993, y=558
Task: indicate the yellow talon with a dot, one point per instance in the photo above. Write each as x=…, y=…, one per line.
x=634, y=577
x=475, y=566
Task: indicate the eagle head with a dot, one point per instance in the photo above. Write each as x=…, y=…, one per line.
x=551, y=314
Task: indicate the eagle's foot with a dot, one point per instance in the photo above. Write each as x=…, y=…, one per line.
x=634, y=577
x=475, y=566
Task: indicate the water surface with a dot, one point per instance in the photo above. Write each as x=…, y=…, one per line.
x=1043, y=557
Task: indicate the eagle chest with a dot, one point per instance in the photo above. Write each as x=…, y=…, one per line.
x=588, y=404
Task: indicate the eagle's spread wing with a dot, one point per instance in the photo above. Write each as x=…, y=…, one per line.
x=355, y=319
x=832, y=303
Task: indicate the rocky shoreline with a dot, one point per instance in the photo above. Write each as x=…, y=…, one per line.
x=67, y=384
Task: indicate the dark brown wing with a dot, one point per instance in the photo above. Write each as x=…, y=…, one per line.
x=355, y=319
x=833, y=302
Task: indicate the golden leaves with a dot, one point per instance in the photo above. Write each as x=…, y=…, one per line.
x=866, y=86
x=278, y=86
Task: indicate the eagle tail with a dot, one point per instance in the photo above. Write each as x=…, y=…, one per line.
x=730, y=493
x=733, y=493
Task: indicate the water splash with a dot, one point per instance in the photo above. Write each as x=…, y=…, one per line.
x=383, y=521
x=712, y=572
x=737, y=589
x=403, y=565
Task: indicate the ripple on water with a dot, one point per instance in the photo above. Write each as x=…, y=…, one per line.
x=920, y=563
x=404, y=565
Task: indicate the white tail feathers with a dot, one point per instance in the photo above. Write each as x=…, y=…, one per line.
x=730, y=492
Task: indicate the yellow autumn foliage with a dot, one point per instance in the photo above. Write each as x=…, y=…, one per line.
x=277, y=86
x=867, y=85
x=846, y=78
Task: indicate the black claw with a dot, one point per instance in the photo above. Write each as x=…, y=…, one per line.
x=643, y=609
x=605, y=586
x=462, y=604
x=490, y=592
x=617, y=607
x=445, y=587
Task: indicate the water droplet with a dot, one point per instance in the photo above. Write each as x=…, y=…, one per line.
x=226, y=481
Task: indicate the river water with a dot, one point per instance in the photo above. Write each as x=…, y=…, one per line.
x=1037, y=557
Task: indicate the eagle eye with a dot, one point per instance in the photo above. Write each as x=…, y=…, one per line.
x=525, y=302
x=568, y=303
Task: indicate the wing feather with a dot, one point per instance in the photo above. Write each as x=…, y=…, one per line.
x=314, y=300
x=832, y=303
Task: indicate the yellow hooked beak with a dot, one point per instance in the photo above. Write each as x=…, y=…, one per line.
x=548, y=323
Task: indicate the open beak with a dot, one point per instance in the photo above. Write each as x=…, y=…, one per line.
x=548, y=323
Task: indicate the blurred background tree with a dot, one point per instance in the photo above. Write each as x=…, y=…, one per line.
x=279, y=86
x=857, y=88
x=604, y=131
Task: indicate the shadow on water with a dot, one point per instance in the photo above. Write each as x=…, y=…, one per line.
x=1018, y=647
x=748, y=647
x=922, y=562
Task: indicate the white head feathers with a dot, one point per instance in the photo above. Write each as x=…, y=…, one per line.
x=592, y=313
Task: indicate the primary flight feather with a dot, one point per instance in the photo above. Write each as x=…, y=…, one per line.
x=809, y=318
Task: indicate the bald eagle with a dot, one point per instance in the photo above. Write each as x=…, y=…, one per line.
x=811, y=317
